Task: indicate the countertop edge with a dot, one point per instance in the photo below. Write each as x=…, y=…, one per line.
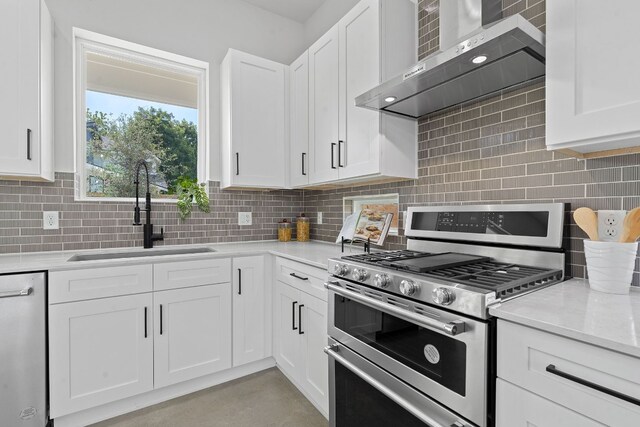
x=501, y=312
x=58, y=264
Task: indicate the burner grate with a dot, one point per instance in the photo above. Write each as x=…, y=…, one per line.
x=504, y=278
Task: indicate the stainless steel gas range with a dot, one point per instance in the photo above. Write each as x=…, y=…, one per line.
x=411, y=340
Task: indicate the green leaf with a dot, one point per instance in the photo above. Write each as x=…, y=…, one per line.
x=189, y=191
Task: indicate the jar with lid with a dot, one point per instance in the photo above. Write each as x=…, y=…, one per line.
x=284, y=231
x=302, y=228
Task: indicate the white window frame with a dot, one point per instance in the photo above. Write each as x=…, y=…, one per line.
x=83, y=41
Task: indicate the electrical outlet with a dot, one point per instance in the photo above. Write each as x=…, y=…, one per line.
x=244, y=218
x=610, y=225
x=50, y=221
x=319, y=217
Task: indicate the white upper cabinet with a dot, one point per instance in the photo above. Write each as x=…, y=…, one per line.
x=593, y=94
x=26, y=90
x=253, y=92
x=299, y=121
x=324, y=108
x=371, y=43
x=359, y=72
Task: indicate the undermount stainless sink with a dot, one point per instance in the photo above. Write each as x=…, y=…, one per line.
x=140, y=254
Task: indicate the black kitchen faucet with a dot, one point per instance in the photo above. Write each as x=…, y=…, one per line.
x=149, y=237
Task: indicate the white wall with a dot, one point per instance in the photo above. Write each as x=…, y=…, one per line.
x=201, y=29
x=326, y=17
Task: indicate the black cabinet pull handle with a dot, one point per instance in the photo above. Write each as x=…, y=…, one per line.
x=160, y=319
x=298, y=277
x=293, y=316
x=340, y=154
x=237, y=163
x=333, y=146
x=303, y=158
x=239, y=281
x=28, y=144
x=300, y=331
x=553, y=370
x=145, y=322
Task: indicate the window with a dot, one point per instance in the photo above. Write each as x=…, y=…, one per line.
x=136, y=103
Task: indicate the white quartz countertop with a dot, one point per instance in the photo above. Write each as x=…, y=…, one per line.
x=311, y=253
x=573, y=310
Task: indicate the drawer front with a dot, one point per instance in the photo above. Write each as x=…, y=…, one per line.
x=516, y=407
x=303, y=277
x=76, y=285
x=183, y=274
x=525, y=355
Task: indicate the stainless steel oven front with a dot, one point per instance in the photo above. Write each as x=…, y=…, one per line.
x=442, y=355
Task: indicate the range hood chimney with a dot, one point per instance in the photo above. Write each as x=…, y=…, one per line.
x=480, y=54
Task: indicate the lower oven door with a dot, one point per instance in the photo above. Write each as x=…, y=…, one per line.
x=363, y=394
x=441, y=354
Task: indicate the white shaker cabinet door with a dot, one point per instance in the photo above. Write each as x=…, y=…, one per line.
x=254, y=92
x=313, y=330
x=286, y=329
x=517, y=407
x=26, y=90
x=299, y=121
x=249, y=323
x=324, y=108
x=359, y=34
x=100, y=351
x=592, y=89
x=192, y=332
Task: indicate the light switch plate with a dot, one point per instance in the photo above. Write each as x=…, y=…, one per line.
x=610, y=225
x=244, y=218
x=319, y=217
x=50, y=220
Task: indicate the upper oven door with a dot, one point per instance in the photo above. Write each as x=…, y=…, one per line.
x=441, y=354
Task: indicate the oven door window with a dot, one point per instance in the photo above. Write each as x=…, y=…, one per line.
x=359, y=404
x=434, y=355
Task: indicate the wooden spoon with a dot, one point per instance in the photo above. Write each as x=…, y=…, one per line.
x=631, y=226
x=587, y=220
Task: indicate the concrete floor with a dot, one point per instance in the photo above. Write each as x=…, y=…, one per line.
x=266, y=398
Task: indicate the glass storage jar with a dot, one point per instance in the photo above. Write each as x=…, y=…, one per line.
x=302, y=228
x=284, y=231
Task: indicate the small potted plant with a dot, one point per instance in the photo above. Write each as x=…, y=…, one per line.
x=188, y=191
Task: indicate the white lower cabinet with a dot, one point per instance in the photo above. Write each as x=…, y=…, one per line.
x=99, y=351
x=192, y=333
x=249, y=323
x=547, y=380
x=300, y=337
x=313, y=326
x=520, y=408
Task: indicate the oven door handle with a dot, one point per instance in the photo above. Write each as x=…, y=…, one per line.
x=332, y=351
x=451, y=328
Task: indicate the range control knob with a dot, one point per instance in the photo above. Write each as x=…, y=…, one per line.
x=443, y=296
x=340, y=269
x=381, y=280
x=359, y=275
x=408, y=288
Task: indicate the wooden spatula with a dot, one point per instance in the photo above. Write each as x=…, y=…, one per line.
x=587, y=220
x=631, y=226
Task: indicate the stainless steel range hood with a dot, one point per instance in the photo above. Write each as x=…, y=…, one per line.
x=494, y=56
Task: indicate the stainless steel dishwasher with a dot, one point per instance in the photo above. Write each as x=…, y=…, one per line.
x=23, y=350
